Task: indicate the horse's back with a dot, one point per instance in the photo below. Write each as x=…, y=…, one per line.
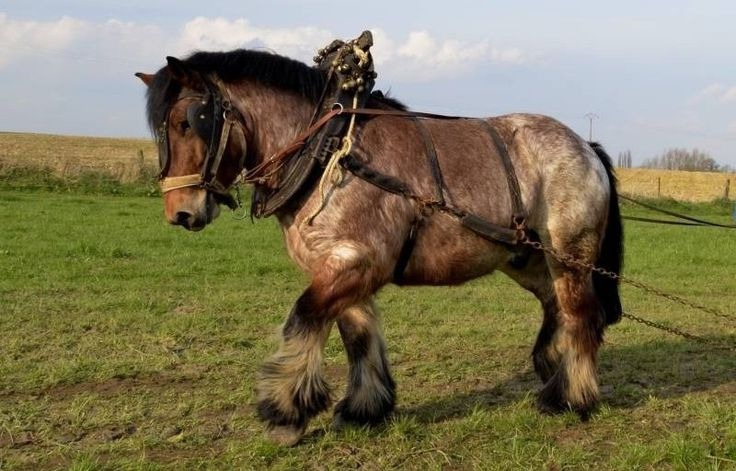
x=554, y=167
x=561, y=175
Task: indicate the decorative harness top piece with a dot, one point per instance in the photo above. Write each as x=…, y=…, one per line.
x=350, y=77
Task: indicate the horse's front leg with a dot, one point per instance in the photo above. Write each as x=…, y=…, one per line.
x=371, y=391
x=291, y=388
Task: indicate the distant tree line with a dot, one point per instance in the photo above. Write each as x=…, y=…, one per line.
x=684, y=159
x=624, y=159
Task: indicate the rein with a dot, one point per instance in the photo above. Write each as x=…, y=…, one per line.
x=692, y=221
x=260, y=173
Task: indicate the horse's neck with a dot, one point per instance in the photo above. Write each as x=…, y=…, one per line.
x=276, y=117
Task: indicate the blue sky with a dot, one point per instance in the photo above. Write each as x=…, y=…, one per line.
x=658, y=74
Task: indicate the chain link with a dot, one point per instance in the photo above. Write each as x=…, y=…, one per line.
x=569, y=260
x=675, y=331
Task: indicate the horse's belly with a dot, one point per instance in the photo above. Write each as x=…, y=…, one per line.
x=446, y=253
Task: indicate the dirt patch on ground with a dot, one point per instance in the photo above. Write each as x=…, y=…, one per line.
x=178, y=379
x=171, y=419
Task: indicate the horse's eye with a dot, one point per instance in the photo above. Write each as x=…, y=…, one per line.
x=184, y=126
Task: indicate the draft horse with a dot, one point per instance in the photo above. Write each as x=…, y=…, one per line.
x=217, y=115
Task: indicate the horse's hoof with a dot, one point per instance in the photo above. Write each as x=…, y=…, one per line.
x=286, y=435
x=552, y=406
x=340, y=423
x=547, y=407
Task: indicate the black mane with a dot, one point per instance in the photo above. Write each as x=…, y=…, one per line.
x=264, y=67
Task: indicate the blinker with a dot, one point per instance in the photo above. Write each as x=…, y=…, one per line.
x=200, y=116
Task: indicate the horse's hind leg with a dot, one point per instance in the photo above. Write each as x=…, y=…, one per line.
x=565, y=354
x=370, y=395
x=534, y=276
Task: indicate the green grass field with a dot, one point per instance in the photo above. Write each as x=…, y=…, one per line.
x=127, y=344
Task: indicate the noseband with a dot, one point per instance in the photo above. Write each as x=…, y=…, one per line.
x=211, y=117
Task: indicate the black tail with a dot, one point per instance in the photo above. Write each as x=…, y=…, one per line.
x=612, y=249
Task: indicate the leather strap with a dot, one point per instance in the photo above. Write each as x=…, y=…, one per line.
x=174, y=183
x=222, y=116
x=434, y=167
x=488, y=230
x=399, y=113
x=516, y=202
x=406, y=250
x=259, y=172
x=214, y=167
x=301, y=167
x=432, y=162
x=480, y=226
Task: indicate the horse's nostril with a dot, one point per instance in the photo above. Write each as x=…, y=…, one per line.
x=183, y=218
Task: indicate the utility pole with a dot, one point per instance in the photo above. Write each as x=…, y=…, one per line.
x=591, y=117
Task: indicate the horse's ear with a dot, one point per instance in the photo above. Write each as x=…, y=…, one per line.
x=146, y=78
x=181, y=73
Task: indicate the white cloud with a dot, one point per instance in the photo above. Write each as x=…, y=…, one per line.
x=20, y=39
x=716, y=92
x=422, y=57
x=219, y=34
x=129, y=41
x=71, y=43
x=424, y=49
x=384, y=48
x=419, y=57
x=729, y=95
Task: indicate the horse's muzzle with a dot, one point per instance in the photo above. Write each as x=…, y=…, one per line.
x=192, y=215
x=188, y=221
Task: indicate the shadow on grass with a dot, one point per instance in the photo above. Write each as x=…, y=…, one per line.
x=629, y=375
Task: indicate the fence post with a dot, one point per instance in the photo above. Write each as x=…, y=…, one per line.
x=659, y=187
x=728, y=189
x=141, y=166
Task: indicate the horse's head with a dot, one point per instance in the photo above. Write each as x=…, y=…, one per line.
x=202, y=142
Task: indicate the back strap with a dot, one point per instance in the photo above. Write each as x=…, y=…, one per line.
x=432, y=162
x=516, y=203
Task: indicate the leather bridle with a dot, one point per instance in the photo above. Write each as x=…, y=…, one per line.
x=212, y=117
